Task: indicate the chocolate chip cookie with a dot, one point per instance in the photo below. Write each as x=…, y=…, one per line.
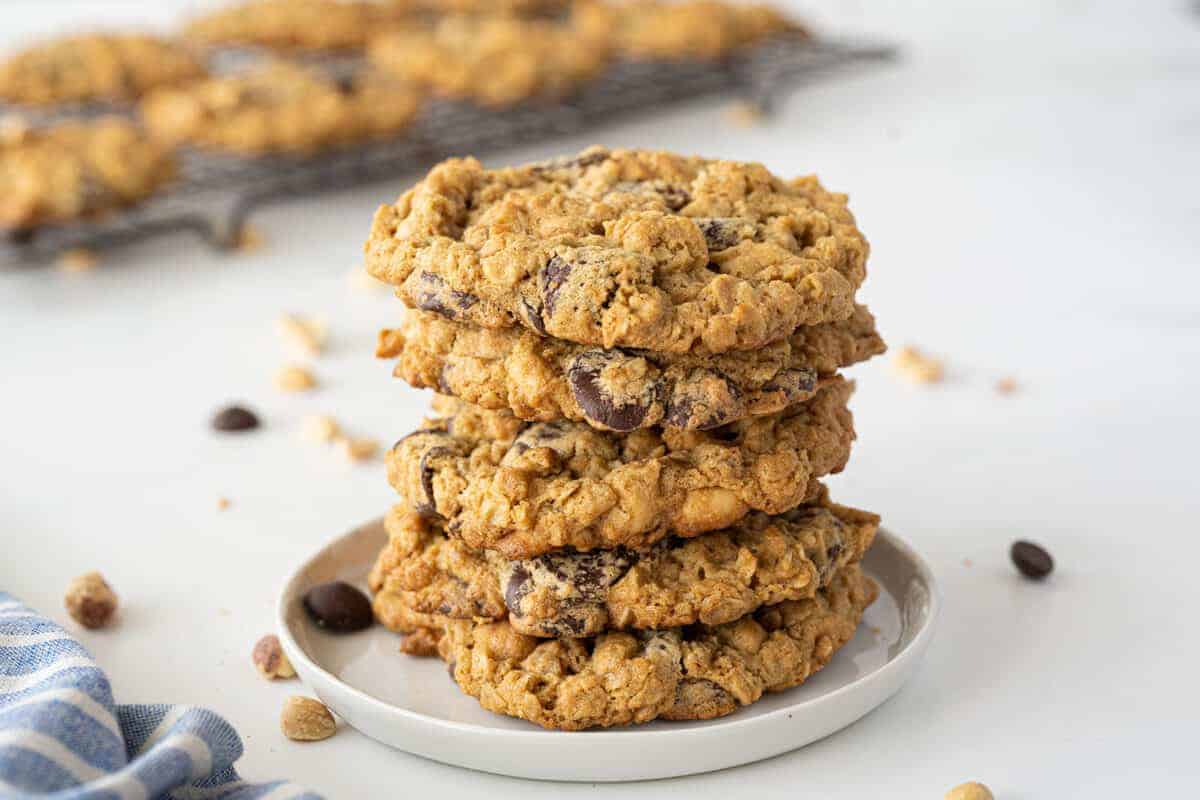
x=497, y=61
x=525, y=489
x=280, y=107
x=544, y=379
x=98, y=67
x=713, y=579
x=618, y=678
x=696, y=29
x=297, y=24
x=625, y=248
x=76, y=170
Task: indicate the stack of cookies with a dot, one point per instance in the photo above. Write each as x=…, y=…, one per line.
x=615, y=513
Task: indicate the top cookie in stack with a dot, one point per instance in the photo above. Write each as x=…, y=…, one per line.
x=643, y=352
x=624, y=248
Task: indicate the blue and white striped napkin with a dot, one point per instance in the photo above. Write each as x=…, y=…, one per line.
x=62, y=736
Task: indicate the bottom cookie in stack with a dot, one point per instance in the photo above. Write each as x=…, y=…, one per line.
x=686, y=629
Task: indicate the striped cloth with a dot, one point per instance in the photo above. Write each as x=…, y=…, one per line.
x=62, y=736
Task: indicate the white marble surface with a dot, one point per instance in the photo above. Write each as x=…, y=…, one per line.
x=1027, y=176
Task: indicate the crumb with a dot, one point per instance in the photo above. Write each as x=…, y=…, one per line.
x=319, y=428
x=78, y=259
x=295, y=379
x=223, y=503
x=91, y=601
x=358, y=449
x=249, y=239
x=361, y=279
x=918, y=367
x=968, y=562
x=305, y=334
x=745, y=114
x=1006, y=386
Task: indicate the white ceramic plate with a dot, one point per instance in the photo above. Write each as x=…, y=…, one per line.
x=411, y=703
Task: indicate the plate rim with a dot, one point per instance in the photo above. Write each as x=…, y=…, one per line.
x=915, y=648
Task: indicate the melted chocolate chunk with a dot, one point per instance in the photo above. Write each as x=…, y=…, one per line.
x=433, y=295
x=553, y=276
x=719, y=233
x=427, y=507
x=533, y=316
x=674, y=197
x=795, y=384
x=586, y=376
x=706, y=399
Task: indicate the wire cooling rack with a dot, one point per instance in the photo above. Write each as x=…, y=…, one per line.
x=216, y=193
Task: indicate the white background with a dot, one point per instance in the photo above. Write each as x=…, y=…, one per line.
x=1027, y=175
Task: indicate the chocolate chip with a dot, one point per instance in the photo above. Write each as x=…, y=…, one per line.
x=719, y=233
x=414, y=434
x=551, y=281
x=674, y=197
x=1032, y=560
x=705, y=399
x=234, y=418
x=795, y=384
x=533, y=316
x=516, y=588
x=588, y=159
x=427, y=507
x=338, y=607
x=432, y=294
x=770, y=618
x=622, y=414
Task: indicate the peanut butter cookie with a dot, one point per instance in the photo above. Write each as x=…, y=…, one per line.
x=298, y=24
x=712, y=579
x=77, y=170
x=97, y=67
x=543, y=379
x=280, y=108
x=695, y=29
x=625, y=248
x=618, y=678
x=496, y=61
x=526, y=489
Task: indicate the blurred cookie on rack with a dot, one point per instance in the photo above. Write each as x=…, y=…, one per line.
x=95, y=67
x=76, y=170
x=693, y=29
x=296, y=24
x=496, y=61
x=280, y=107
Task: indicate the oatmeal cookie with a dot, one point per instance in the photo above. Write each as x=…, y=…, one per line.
x=695, y=29
x=298, y=24
x=496, y=61
x=712, y=579
x=280, y=107
x=97, y=67
x=618, y=678
x=492, y=6
x=543, y=379
x=625, y=248
x=526, y=489
x=77, y=170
